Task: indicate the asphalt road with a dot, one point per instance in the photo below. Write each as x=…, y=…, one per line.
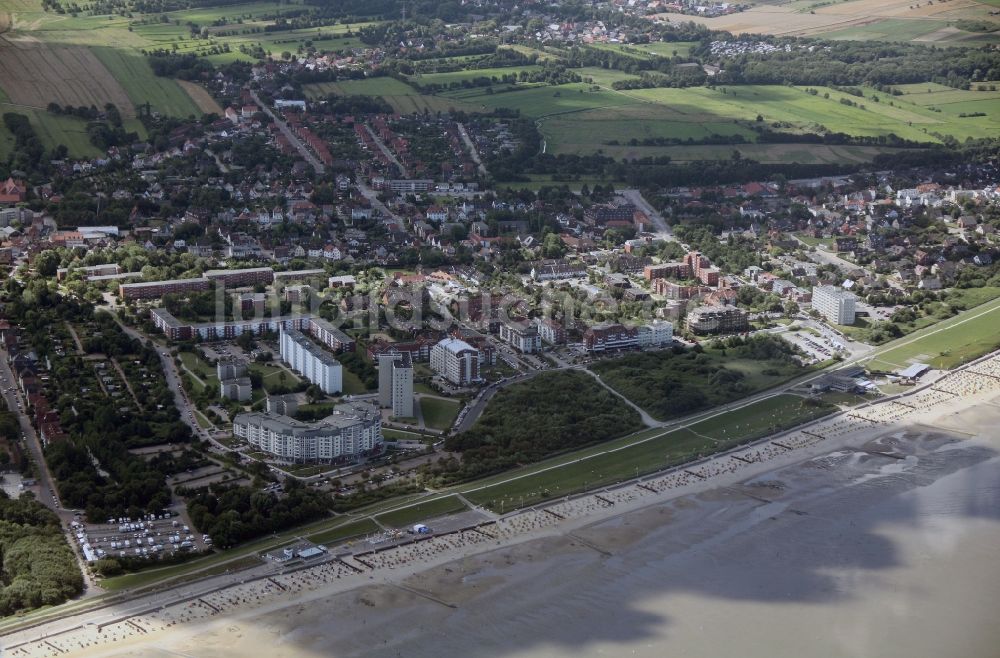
x=292, y=137
x=662, y=229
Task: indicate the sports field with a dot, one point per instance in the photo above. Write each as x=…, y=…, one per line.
x=947, y=344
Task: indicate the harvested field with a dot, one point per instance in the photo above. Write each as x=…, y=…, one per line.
x=201, y=97
x=35, y=74
x=865, y=18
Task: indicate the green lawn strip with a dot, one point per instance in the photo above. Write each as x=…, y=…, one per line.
x=668, y=448
x=203, y=422
x=422, y=511
x=947, y=344
x=406, y=435
x=762, y=418
x=344, y=532
x=439, y=413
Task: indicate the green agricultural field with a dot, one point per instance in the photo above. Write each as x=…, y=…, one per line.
x=403, y=98
x=545, y=100
x=133, y=72
x=814, y=112
x=470, y=74
x=765, y=153
x=590, y=130
x=439, y=413
x=603, y=77
x=648, y=50
x=667, y=48
x=420, y=511
x=946, y=344
x=526, y=50
x=890, y=29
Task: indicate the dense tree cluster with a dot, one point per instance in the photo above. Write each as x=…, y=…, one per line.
x=232, y=514
x=529, y=421
x=872, y=63
x=38, y=565
x=669, y=384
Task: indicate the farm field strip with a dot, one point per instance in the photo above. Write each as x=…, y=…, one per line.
x=471, y=74
x=142, y=85
x=39, y=74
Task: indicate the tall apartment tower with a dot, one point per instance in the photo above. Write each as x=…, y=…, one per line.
x=395, y=383
x=834, y=304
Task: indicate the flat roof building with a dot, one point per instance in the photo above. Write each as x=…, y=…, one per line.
x=521, y=335
x=456, y=361
x=834, y=304
x=352, y=432
x=718, y=320
x=157, y=289
x=395, y=383
x=312, y=361
x=238, y=278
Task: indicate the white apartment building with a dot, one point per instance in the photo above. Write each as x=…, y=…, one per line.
x=311, y=360
x=834, y=304
x=353, y=431
x=656, y=334
x=522, y=336
x=456, y=361
x=395, y=383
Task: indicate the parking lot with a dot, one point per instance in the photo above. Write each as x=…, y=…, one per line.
x=146, y=538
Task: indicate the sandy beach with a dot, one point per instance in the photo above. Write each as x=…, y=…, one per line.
x=883, y=539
